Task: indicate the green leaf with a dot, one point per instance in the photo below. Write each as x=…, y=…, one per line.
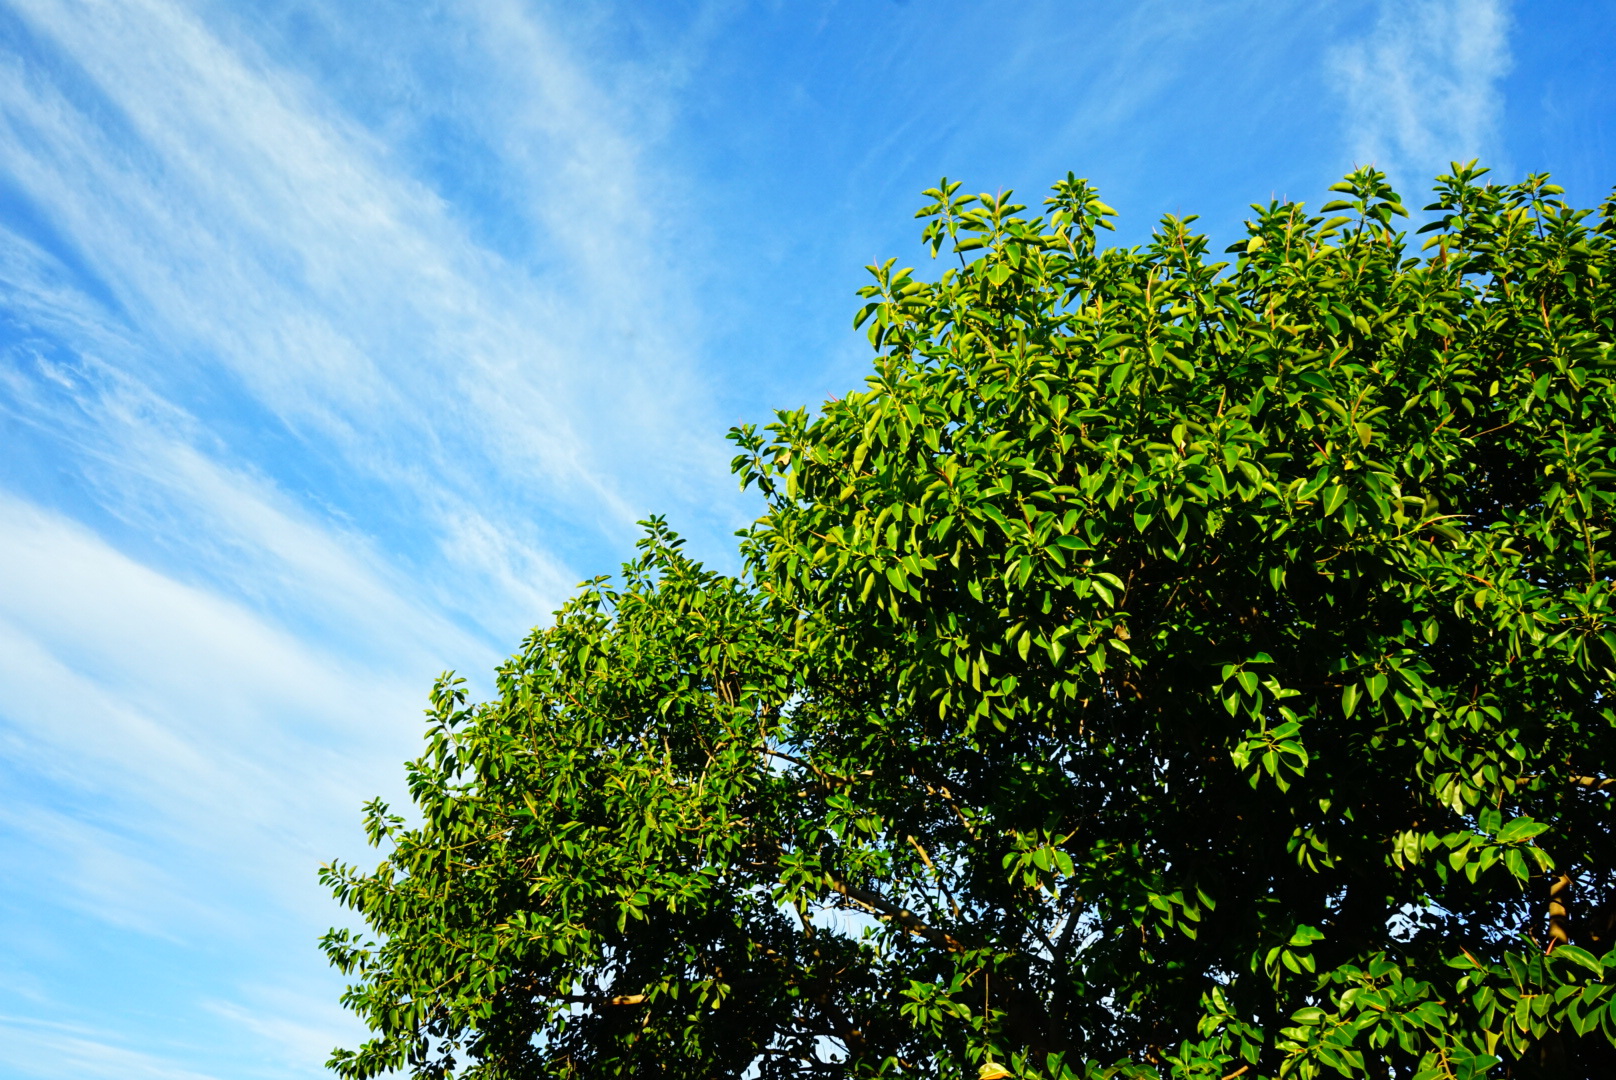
x=1349, y=699
x=1581, y=957
x=1305, y=935
x=1334, y=496
x=1521, y=828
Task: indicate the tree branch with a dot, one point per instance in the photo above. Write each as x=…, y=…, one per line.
x=880, y=905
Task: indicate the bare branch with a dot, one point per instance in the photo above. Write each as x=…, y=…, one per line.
x=880, y=905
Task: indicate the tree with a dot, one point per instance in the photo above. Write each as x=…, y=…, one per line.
x=1164, y=668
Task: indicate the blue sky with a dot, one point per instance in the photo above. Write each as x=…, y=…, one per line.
x=339, y=339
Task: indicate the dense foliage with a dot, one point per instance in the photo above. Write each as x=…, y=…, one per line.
x=1166, y=667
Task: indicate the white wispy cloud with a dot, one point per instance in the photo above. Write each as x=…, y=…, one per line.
x=243, y=226
x=1421, y=87
x=316, y=434
x=35, y=1048
x=197, y=726
x=177, y=765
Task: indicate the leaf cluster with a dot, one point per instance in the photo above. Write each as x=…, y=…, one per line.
x=1164, y=667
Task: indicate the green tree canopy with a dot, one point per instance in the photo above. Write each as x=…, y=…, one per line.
x=1165, y=667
